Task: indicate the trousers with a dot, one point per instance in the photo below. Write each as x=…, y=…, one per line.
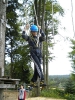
x=21, y=99
x=37, y=66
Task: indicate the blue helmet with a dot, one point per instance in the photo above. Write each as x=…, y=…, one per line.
x=34, y=28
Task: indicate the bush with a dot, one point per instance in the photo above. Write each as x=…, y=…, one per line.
x=70, y=96
x=70, y=87
x=55, y=93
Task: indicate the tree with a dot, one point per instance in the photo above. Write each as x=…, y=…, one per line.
x=15, y=46
x=11, y=30
x=70, y=86
x=44, y=15
x=50, y=30
x=72, y=58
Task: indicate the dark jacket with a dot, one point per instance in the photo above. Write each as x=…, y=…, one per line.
x=32, y=40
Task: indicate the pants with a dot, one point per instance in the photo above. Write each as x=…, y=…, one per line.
x=21, y=99
x=37, y=66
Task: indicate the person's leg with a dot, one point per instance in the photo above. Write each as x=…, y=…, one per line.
x=37, y=65
x=35, y=75
x=42, y=76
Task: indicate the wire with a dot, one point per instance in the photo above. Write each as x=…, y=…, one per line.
x=72, y=17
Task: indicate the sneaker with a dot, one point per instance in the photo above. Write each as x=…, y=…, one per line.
x=42, y=83
x=33, y=84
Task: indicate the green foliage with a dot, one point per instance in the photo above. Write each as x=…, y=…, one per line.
x=70, y=86
x=53, y=93
x=72, y=57
x=15, y=47
x=58, y=81
x=69, y=96
x=7, y=70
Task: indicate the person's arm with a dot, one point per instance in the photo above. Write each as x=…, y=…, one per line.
x=18, y=97
x=25, y=36
x=24, y=95
x=42, y=37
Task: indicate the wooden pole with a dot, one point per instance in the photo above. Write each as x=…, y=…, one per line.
x=2, y=34
x=1, y=94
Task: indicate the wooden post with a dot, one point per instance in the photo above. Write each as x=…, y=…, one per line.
x=2, y=40
x=38, y=89
x=1, y=94
x=2, y=34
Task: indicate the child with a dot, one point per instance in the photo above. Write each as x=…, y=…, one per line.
x=35, y=50
x=22, y=93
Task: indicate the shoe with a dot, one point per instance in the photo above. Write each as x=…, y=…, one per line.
x=42, y=83
x=33, y=84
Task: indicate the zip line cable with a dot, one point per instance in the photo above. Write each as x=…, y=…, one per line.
x=72, y=17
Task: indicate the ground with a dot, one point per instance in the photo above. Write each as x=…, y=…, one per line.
x=43, y=98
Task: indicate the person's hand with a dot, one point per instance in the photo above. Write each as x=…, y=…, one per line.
x=24, y=28
x=39, y=27
x=27, y=26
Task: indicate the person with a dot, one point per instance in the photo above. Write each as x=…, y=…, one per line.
x=22, y=93
x=35, y=50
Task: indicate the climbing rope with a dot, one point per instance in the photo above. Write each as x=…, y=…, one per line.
x=52, y=19
x=72, y=17
x=27, y=25
x=37, y=25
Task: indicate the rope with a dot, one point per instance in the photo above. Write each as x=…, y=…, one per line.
x=35, y=15
x=53, y=22
x=27, y=20
x=25, y=9
x=72, y=17
x=52, y=19
x=37, y=25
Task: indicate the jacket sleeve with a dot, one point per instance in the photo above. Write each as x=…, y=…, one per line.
x=18, y=97
x=25, y=36
x=24, y=95
x=42, y=37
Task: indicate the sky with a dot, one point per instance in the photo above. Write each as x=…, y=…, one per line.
x=61, y=65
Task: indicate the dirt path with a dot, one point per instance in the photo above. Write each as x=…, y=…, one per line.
x=43, y=98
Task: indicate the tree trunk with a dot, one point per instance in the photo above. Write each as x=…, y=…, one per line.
x=43, y=27
x=2, y=35
x=47, y=59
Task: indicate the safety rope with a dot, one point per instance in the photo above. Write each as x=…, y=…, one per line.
x=37, y=25
x=53, y=22
x=27, y=20
x=52, y=19
x=72, y=17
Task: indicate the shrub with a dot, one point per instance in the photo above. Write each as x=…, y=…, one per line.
x=70, y=96
x=55, y=93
